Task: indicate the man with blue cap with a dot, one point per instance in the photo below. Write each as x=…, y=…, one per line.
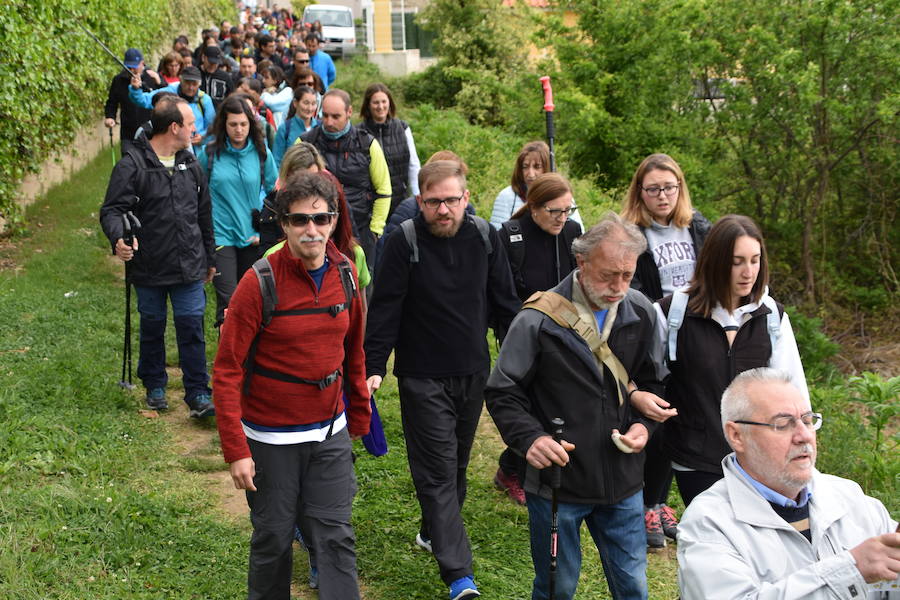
x=131, y=115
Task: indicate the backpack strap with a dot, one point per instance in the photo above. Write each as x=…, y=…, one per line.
x=564, y=313
x=209, y=159
x=773, y=320
x=675, y=320
x=140, y=182
x=484, y=228
x=516, y=250
x=409, y=232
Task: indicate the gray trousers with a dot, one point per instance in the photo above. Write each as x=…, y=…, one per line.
x=315, y=480
x=440, y=417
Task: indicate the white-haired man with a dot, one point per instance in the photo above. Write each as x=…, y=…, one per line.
x=774, y=527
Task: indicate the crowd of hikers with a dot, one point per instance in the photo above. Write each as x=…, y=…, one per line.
x=640, y=347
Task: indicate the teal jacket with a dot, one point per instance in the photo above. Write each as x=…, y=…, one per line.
x=236, y=190
x=287, y=135
x=204, y=111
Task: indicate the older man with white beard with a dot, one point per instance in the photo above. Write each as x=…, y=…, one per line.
x=580, y=352
x=775, y=527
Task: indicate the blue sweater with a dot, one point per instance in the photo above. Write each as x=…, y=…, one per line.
x=204, y=111
x=235, y=188
x=287, y=134
x=322, y=64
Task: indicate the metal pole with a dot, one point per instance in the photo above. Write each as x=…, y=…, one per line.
x=555, y=483
x=548, y=109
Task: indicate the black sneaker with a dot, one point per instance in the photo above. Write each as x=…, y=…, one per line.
x=201, y=407
x=156, y=399
x=655, y=537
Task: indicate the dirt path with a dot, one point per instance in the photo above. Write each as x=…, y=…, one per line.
x=197, y=445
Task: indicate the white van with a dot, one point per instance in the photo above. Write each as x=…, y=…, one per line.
x=337, y=27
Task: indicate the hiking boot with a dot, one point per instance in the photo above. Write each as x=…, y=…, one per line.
x=156, y=399
x=510, y=484
x=464, y=587
x=313, y=578
x=201, y=407
x=669, y=520
x=424, y=543
x=655, y=537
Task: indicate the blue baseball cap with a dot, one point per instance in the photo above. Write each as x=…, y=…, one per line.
x=133, y=58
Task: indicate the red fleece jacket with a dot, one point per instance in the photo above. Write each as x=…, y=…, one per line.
x=306, y=346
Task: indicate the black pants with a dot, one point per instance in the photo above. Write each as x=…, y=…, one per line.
x=657, y=470
x=693, y=483
x=231, y=264
x=512, y=464
x=439, y=421
x=315, y=480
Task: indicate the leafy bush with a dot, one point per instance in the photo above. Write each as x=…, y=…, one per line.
x=816, y=348
x=54, y=78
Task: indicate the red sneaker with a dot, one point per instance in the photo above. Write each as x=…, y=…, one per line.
x=510, y=484
x=655, y=537
x=669, y=521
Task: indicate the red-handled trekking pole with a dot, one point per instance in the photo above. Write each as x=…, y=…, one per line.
x=555, y=482
x=548, y=109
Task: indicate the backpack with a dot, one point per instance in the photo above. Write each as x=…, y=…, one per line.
x=516, y=252
x=679, y=306
x=409, y=232
x=141, y=182
x=269, y=293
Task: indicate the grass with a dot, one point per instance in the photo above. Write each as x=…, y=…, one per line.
x=97, y=501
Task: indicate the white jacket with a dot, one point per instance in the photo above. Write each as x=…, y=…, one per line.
x=731, y=544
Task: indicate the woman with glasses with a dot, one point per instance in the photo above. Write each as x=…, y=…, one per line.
x=659, y=202
x=240, y=172
x=171, y=67
x=728, y=324
x=300, y=118
x=538, y=241
x=379, y=113
x=533, y=160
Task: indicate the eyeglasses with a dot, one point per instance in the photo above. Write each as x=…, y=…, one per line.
x=303, y=219
x=435, y=203
x=556, y=213
x=654, y=190
x=302, y=62
x=784, y=423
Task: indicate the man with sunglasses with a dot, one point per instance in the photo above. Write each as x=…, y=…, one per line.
x=291, y=393
x=775, y=527
x=431, y=303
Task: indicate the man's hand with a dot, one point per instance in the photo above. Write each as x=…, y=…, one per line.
x=136, y=81
x=124, y=251
x=110, y=123
x=242, y=473
x=652, y=406
x=878, y=558
x=153, y=75
x=210, y=273
x=545, y=452
x=636, y=437
x=373, y=383
x=196, y=139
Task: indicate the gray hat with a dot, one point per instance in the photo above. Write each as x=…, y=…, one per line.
x=191, y=74
x=213, y=54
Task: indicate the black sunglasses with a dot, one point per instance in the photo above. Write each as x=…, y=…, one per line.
x=303, y=219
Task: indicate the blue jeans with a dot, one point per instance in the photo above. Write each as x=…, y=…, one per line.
x=618, y=531
x=188, y=305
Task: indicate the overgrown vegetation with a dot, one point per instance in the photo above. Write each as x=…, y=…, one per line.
x=54, y=78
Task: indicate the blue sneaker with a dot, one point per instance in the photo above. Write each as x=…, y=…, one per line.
x=156, y=399
x=201, y=407
x=464, y=587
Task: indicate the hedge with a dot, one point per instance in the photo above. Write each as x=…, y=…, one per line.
x=54, y=78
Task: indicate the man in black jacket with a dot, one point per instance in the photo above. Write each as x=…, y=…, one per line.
x=431, y=302
x=217, y=82
x=131, y=115
x=583, y=352
x=173, y=253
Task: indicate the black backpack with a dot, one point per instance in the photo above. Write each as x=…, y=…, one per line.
x=409, y=232
x=269, y=293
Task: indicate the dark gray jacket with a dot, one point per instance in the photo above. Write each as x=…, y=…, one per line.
x=546, y=371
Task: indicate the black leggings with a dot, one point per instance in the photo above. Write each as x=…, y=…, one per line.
x=657, y=470
x=693, y=483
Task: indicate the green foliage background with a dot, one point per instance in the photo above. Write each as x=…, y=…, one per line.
x=54, y=78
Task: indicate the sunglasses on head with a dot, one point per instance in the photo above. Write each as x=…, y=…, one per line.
x=303, y=219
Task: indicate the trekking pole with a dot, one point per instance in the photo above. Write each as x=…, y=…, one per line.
x=555, y=482
x=548, y=110
x=102, y=45
x=128, y=237
x=112, y=150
